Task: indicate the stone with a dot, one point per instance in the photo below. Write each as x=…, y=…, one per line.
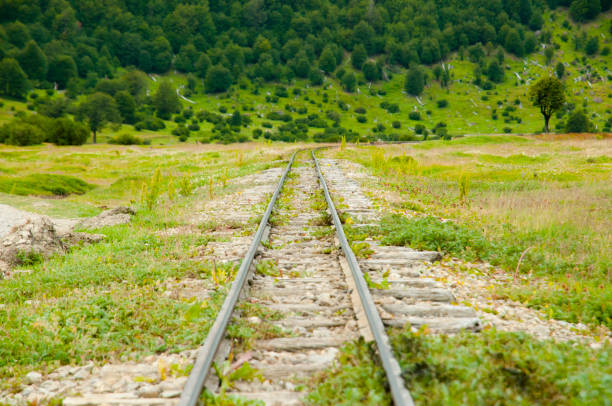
x=35, y=238
x=112, y=217
x=81, y=374
x=33, y=377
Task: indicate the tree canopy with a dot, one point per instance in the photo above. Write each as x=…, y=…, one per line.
x=547, y=94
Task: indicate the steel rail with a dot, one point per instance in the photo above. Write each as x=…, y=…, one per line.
x=401, y=396
x=207, y=352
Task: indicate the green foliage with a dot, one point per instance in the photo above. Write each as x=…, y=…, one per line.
x=165, y=100
x=592, y=46
x=547, y=94
x=33, y=61
x=327, y=61
x=560, y=70
x=583, y=10
x=414, y=83
x=359, y=56
x=126, y=106
x=357, y=379
x=13, y=81
x=126, y=139
x=349, y=81
x=578, y=122
x=64, y=131
x=20, y=133
x=218, y=79
x=44, y=185
x=61, y=69
x=97, y=110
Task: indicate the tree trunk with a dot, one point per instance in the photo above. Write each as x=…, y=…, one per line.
x=546, y=119
x=94, y=136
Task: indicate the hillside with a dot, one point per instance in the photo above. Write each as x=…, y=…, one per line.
x=335, y=70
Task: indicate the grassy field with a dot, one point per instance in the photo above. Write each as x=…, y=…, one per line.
x=105, y=301
x=547, y=200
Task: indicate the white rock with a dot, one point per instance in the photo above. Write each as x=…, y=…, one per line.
x=33, y=377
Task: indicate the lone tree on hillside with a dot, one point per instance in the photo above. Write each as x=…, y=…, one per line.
x=415, y=81
x=98, y=109
x=548, y=95
x=166, y=101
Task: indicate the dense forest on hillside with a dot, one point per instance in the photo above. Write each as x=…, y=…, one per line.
x=84, y=46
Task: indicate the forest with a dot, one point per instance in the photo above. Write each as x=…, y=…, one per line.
x=105, y=51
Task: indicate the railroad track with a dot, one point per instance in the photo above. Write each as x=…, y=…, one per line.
x=308, y=292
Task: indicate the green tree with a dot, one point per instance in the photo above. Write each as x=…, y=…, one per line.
x=218, y=79
x=547, y=94
x=187, y=58
x=126, y=106
x=495, y=72
x=560, y=70
x=371, y=71
x=513, y=43
x=583, y=10
x=33, y=61
x=315, y=77
x=349, y=81
x=578, y=122
x=61, y=70
x=414, y=84
x=549, y=54
x=20, y=133
x=98, y=109
x=592, y=46
x=13, y=80
x=327, y=61
x=359, y=56
x=202, y=65
x=166, y=100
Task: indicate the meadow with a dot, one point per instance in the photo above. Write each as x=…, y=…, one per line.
x=540, y=206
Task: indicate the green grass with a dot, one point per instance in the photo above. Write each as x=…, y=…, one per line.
x=44, y=184
x=549, y=198
x=489, y=368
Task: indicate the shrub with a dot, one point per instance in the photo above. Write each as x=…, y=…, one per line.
x=126, y=139
x=20, y=133
x=360, y=110
x=362, y=119
x=64, y=131
x=442, y=103
x=420, y=129
x=507, y=130
x=414, y=115
x=578, y=122
x=396, y=124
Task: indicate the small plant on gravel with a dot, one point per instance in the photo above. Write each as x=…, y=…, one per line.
x=362, y=249
x=268, y=268
x=382, y=285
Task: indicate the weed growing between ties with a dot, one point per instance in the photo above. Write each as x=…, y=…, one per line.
x=489, y=368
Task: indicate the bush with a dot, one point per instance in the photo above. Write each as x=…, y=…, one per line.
x=20, y=133
x=360, y=110
x=150, y=123
x=442, y=103
x=420, y=129
x=362, y=119
x=64, y=131
x=414, y=115
x=396, y=124
x=507, y=130
x=578, y=122
x=126, y=139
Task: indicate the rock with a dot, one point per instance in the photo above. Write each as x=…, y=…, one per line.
x=171, y=394
x=81, y=374
x=33, y=377
x=149, y=391
x=112, y=217
x=34, y=238
x=76, y=238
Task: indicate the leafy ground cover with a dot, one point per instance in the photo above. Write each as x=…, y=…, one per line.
x=539, y=206
x=489, y=368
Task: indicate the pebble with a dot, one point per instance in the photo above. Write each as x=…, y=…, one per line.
x=33, y=377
